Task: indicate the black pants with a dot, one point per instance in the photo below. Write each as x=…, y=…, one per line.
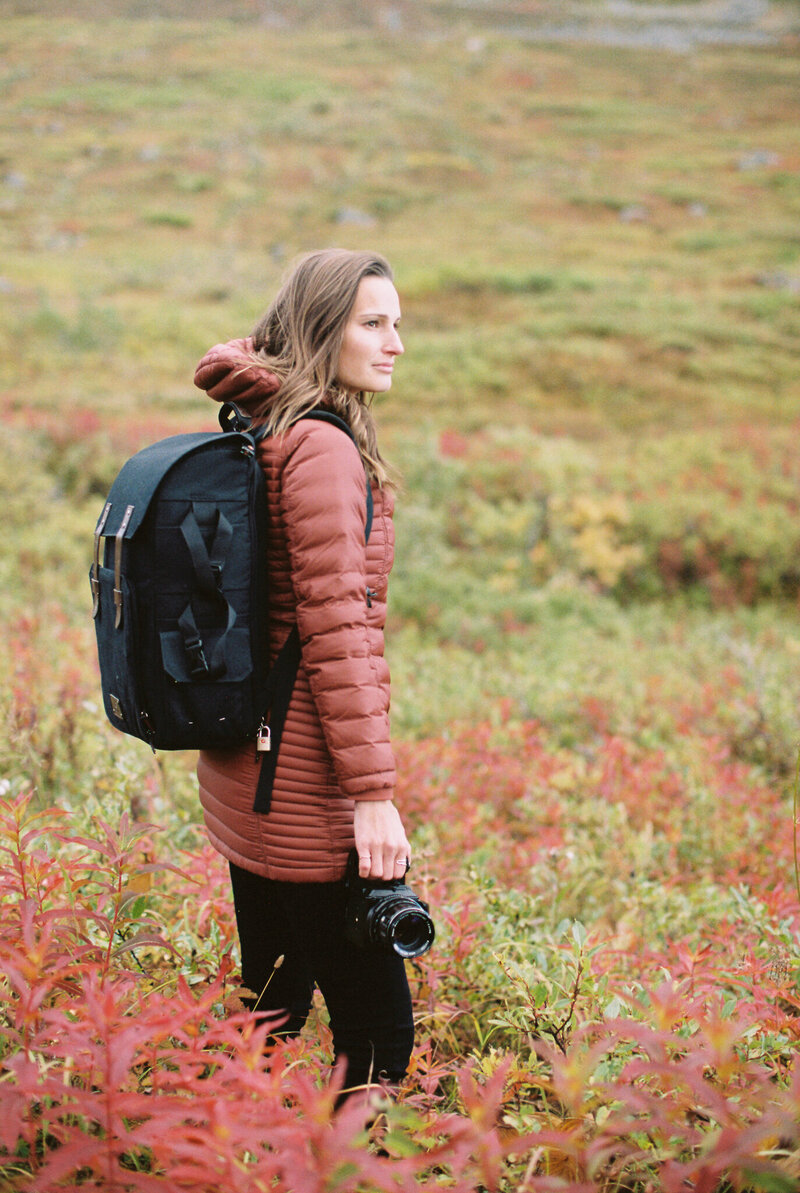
x=365, y=990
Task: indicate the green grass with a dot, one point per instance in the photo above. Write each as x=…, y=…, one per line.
x=159, y=175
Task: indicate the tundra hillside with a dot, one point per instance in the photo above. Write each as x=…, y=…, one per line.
x=594, y=632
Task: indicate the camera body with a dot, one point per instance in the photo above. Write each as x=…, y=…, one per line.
x=385, y=915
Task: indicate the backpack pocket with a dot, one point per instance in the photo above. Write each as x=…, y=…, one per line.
x=221, y=703
x=117, y=651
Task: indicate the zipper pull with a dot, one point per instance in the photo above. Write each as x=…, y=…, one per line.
x=370, y=594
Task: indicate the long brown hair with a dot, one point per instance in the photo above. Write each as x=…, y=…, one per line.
x=299, y=340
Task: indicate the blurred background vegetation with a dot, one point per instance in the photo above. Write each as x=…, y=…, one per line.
x=593, y=211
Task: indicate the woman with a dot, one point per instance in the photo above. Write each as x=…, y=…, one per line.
x=329, y=340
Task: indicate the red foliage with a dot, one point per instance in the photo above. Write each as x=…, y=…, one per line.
x=453, y=444
x=127, y=1066
x=125, y=432
x=116, y=1079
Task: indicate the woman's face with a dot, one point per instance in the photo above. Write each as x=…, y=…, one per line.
x=370, y=342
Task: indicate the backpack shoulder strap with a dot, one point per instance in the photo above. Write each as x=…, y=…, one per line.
x=326, y=416
x=281, y=680
x=232, y=418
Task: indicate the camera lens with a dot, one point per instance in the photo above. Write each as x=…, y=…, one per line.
x=386, y=915
x=409, y=932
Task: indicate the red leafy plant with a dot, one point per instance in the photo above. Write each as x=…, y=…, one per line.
x=121, y=1070
x=127, y=1062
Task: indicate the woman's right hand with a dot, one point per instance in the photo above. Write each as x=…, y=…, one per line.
x=381, y=842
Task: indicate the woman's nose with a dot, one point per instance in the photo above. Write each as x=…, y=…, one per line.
x=395, y=345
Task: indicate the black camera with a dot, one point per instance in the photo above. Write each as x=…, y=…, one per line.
x=385, y=914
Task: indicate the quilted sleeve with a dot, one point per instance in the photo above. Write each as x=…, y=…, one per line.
x=323, y=506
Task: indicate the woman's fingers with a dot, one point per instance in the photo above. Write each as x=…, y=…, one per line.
x=381, y=842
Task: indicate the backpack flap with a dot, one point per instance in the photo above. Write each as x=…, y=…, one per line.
x=138, y=480
x=131, y=494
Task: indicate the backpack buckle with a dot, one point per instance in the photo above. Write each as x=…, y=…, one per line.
x=198, y=664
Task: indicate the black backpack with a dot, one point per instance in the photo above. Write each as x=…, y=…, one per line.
x=179, y=590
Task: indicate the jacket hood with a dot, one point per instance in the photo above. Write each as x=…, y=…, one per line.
x=228, y=373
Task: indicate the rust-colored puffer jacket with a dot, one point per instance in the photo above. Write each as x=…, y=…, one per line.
x=335, y=746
